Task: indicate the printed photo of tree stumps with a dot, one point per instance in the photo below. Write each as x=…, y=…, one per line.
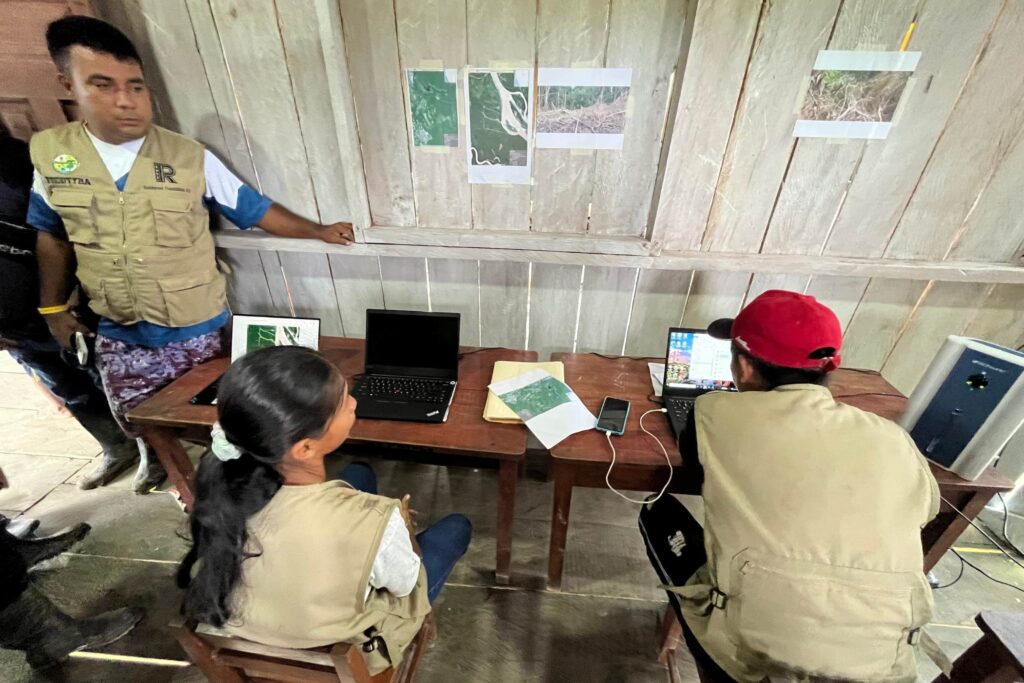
x=499, y=111
x=433, y=107
x=854, y=94
x=582, y=108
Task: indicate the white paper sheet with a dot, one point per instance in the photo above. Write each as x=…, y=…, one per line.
x=657, y=376
x=815, y=120
x=548, y=407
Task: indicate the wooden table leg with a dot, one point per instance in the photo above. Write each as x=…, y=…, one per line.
x=563, y=476
x=971, y=507
x=508, y=476
x=168, y=449
x=669, y=635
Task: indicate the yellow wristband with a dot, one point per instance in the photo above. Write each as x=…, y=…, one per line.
x=47, y=310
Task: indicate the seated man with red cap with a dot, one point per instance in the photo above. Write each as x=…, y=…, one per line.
x=809, y=564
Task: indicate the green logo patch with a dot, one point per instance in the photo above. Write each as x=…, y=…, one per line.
x=65, y=163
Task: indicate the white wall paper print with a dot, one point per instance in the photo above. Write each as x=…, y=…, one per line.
x=854, y=94
x=582, y=108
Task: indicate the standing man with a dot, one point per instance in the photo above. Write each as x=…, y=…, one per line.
x=23, y=332
x=127, y=202
x=809, y=564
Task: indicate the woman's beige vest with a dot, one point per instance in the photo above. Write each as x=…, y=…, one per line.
x=305, y=584
x=145, y=253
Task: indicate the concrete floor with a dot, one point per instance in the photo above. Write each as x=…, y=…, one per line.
x=600, y=628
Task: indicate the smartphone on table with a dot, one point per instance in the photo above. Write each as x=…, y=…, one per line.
x=613, y=415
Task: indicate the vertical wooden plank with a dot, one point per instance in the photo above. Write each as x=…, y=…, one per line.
x=841, y=294
x=949, y=36
x=308, y=71
x=658, y=304
x=877, y=323
x=946, y=310
x=357, y=286
x=554, y=304
x=454, y=288
x=308, y=277
x=789, y=37
x=719, y=50
x=339, y=86
x=994, y=227
x=762, y=282
x=713, y=296
x=605, y=302
x=371, y=43
x=236, y=153
x=404, y=281
x=248, y=291
x=433, y=33
x=263, y=91
x=646, y=36
x=999, y=319
x=820, y=170
x=569, y=34
x=981, y=130
x=501, y=35
x=504, y=296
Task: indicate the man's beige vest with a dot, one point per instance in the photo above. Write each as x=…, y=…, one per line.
x=305, y=585
x=813, y=526
x=145, y=253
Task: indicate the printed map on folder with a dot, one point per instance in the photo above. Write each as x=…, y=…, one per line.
x=548, y=407
x=494, y=409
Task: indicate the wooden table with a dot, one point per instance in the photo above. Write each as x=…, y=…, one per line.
x=168, y=416
x=998, y=657
x=582, y=459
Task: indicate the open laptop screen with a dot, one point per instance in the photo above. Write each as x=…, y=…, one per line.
x=697, y=361
x=412, y=343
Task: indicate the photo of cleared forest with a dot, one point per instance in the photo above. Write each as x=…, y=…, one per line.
x=582, y=109
x=837, y=95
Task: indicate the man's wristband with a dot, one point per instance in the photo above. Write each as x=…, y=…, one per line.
x=49, y=310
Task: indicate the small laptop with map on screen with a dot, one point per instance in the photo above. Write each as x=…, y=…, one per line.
x=695, y=363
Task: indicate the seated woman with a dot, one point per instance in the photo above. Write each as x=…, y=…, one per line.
x=285, y=557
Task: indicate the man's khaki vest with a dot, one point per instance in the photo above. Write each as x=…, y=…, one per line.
x=813, y=526
x=145, y=253
x=305, y=586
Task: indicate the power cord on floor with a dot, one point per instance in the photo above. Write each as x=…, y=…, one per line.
x=981, y=571
x=965, y=562
x=985, y=534
x=668, y=463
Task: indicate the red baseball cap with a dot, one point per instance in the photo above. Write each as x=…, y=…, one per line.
x=785, y=328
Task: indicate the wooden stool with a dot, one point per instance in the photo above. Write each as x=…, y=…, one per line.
x=998, y=657
x=224, y=658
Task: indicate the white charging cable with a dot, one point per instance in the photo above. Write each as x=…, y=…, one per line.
x=668, y=462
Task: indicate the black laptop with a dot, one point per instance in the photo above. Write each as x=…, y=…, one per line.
x=695, y=363
x=412, y=366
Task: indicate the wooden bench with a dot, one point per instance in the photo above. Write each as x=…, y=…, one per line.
x=998, y=657
x=224, y=658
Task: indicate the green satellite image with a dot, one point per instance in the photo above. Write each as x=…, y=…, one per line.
x=262, y=336
x=435, y=115
x=498, y=119
x=536, y=398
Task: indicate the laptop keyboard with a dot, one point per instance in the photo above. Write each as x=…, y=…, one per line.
x=410, y=389
x=680, y=409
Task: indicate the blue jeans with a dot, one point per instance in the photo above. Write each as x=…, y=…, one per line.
x=442, y=544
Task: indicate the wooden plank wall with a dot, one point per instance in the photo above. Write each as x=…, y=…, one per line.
x=709, y=162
